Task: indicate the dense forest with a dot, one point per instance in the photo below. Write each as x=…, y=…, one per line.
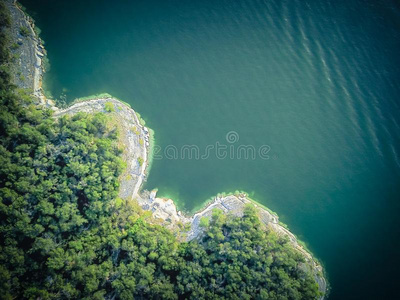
x=64, y=233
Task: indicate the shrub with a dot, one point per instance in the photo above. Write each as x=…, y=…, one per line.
x=109, y=107
x=24, y=31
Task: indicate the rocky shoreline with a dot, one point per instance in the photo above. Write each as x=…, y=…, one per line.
x=234, y=204
x=134, y=139
x=27, y=52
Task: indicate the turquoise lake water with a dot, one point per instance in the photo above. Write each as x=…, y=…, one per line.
x=313, y=84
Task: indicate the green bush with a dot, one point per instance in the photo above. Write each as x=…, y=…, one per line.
x=109, y=107
x=14, y=46
x=25, y=32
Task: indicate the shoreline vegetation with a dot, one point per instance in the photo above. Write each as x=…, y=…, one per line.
x=136, y=142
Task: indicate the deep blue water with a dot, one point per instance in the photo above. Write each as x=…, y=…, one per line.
x=315, y=81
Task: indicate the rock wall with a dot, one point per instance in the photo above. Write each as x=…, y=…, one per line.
x=27, y=53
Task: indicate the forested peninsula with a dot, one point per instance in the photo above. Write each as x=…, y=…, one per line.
x=75, y=224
